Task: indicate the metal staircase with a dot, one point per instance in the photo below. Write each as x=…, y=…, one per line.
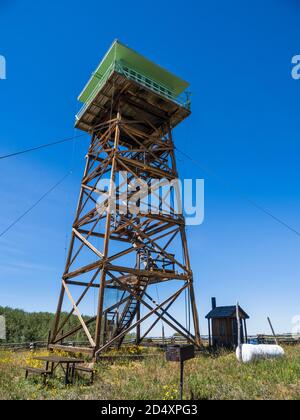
x=130, y=310
x=138, y=285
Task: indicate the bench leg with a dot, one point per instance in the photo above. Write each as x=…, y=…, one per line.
x=67, y=374
x=73, y=374
x=26, y=374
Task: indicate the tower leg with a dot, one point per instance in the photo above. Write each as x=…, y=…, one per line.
x=187, y=258
x=106, y=242
x=58, y=313
x=191, y=288
x=62, y=292
x=195, y=315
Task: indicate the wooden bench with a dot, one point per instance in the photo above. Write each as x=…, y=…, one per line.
x=35, y=371
x=90, y=369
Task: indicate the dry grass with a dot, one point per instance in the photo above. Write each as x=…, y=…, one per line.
x=207, y=377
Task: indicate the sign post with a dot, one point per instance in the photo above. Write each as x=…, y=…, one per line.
x=180, y=354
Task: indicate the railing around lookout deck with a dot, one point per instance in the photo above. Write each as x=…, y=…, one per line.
x=182, y=100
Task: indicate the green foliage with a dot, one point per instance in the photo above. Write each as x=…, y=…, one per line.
x=207, y=377
x=24, y=327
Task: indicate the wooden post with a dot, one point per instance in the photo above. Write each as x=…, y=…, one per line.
x=209, y=334
x=246, y=332
x=239, y=330
x=163, y=334
x=181, y=379
x=273, y=332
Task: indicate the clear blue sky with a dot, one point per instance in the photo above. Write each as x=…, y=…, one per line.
x=244, y=127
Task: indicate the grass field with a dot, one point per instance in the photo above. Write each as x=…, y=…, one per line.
x=207, y=378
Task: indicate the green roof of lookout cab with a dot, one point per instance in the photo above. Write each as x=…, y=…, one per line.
x=130, y=60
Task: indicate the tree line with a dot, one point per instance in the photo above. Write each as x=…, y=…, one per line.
x=23, y=327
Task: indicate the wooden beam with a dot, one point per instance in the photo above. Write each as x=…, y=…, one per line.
x=76, y=310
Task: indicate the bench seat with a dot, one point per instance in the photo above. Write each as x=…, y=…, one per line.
x=86, y=369
x=36, y=371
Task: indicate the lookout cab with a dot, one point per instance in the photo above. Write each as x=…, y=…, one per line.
x=143, y=91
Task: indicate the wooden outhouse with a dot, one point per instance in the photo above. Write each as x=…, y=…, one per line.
x=223, y=325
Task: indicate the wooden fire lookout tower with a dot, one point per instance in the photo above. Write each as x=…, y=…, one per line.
x=130, y=107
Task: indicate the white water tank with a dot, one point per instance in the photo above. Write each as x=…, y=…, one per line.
x=248, y=353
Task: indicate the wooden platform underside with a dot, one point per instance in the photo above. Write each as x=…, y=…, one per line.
x=137, y=102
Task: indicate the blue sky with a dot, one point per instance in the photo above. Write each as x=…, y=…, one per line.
x=244, y=127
